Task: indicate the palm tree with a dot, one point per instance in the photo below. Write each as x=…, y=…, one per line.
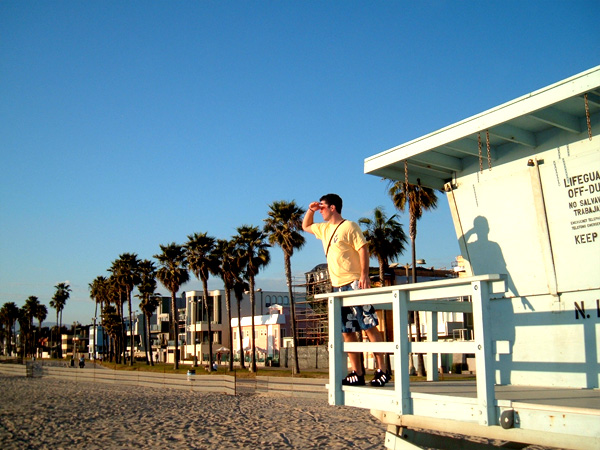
x=31, y=309
x=417, y=198
x=117, y=297
x=148, y=305
x=172, y=273
x=385, y=237
x=58, y=302
x=99, y=293
x=125, y=271
x=24, y=318
x=113, y=341
x=254, y=255
x=201, y=263
x=40, y=314
x=149, y=300
x=239, y=287
x=111, y=321
x=283, y=227
x=55, y=303
x=3, y=335
x=228, y=270
x=9, y=315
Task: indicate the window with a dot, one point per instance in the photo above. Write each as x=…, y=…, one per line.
x=213, y=305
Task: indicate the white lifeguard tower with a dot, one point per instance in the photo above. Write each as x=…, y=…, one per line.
x=523, y=184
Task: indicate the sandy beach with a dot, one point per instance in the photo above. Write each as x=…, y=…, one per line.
x=44, y=413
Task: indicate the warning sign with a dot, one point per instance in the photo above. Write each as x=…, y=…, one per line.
x=571, y=188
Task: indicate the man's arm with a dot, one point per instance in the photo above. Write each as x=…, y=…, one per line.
x=309, y=217
x=363, y=253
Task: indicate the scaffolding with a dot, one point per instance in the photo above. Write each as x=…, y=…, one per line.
x=311, y=313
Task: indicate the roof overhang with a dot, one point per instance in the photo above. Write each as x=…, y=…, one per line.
x=436, y=158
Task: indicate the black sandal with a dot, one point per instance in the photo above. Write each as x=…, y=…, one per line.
x=353, y=379
x=380, y=378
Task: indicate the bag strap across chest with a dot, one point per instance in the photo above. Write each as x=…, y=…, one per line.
x=332, y=235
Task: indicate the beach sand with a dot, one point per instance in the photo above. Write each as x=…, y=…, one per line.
x=49, y=413
x=46, y=413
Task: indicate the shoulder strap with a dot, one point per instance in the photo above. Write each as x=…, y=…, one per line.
x=333, y=234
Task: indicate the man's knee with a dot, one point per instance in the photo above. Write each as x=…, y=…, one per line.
x=349, y=337
x=374, y=334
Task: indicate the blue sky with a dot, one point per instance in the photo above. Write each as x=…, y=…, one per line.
x=126, y=125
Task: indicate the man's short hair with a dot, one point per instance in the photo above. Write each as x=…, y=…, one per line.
x=333, y=199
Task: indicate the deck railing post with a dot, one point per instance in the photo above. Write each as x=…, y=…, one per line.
x=432, y=336
x=401, y=351
x=484, y=357
x=338, y=360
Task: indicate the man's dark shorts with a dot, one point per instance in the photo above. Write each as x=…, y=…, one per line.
x=355, y=318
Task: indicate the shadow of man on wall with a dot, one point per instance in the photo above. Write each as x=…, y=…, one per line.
x=485, y=257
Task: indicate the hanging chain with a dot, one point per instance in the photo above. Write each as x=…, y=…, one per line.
x=587, y=116
x=479, y=145
x=487, y=138
x=419, y=197
x=406, y=177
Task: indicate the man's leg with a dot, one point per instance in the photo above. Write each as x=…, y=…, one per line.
x=375, y=335
x=353, y=357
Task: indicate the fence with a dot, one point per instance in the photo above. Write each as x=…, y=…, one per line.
x=225, y=384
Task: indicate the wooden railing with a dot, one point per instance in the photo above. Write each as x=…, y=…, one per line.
x=430, y=298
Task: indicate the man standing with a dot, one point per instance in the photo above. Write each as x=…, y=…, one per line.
x=347, y=256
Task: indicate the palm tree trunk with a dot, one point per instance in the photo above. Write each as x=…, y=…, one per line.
x=10, y=333
x=112, y=351
x=146, y=331
x=210, y=336
x=123, y=333
x=56, y=334
x=59, y=336
x=228, y=306
x=130, y=327
x=239, y=314
x=194, y=321
x=148, y=340
x=288, y=277
x=39, y=351
x=24, y=344
x=413, y=238
x=105, y=342
x=94, y=343
x=253, y=340
x=175, y=326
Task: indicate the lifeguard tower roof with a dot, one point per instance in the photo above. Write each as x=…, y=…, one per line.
x=528, y=121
